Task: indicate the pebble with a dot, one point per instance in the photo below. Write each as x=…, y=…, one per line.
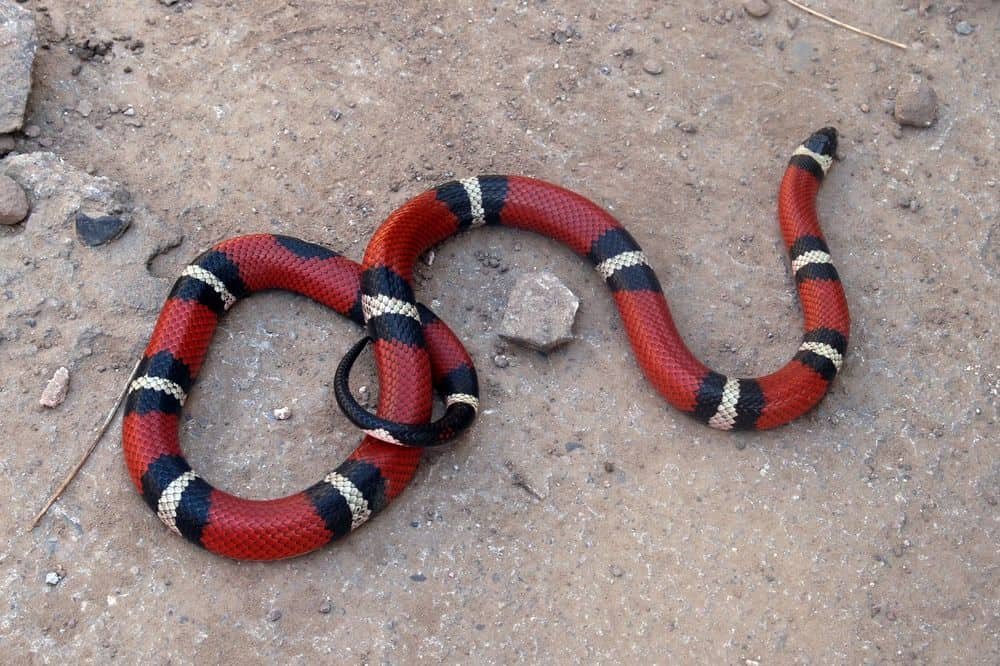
x=274, y=615
x=57, y=388
x=418, y=577
x=616, y=571
x=32, y=131
x=501, y=361
x=84, y=108
x=964, y=28
x=52, y=578
x=757, y=8
x=282, y=413
x=652, y=67
x=609, y=466
x=94, y=231
x=916, y=105
x=13, y=202
x=540, y=312
x=688, y=127
x=326, y=607
x=865, y=108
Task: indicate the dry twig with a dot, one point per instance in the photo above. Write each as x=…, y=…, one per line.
x=834, y=21
x=86, y=455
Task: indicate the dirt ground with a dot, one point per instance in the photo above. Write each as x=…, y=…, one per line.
x=866, y=532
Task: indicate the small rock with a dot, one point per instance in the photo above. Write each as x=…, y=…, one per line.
x=916, y=105
x=84, y=108
x=609, y=466
x=18, y=43
x=326, y=607
x=32, y=131
x=94, y=231
x=282, y=413
x=13, y=202
x=501, y=361
x=540, y=312
x=573, y=446
x=616, y=571
x=964, y=28
x=418, y=577
x=757, y=8
x=274, y=615
x=687, y=127
x=864, y=108
x=52, y=578
x=129, y=111
x=652, y=67
x=56, y=390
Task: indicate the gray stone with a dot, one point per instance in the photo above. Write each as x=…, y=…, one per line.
x=964, y=28
x=916, y=105
x=13, y=202
x=17, y=55
x=540, y=312
x=757, y=8
x=94, y=231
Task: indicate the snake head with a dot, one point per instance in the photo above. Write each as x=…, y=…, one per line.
x=823, y=141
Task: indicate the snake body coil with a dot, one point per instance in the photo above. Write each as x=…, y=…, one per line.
x=415, y=351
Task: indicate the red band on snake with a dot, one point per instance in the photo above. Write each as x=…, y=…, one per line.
x=414, y=350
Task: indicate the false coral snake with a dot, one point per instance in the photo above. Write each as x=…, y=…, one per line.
x=414, y=350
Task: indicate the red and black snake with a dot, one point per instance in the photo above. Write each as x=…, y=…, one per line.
x=415, y=351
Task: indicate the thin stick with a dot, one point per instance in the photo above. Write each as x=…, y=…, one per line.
x=834, y=21
x=83, y=459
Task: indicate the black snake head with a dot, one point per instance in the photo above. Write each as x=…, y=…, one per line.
x=823, y=141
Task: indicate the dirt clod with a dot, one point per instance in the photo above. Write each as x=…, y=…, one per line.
x=916, y=105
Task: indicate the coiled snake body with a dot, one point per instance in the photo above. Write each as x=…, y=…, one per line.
x=415, y=350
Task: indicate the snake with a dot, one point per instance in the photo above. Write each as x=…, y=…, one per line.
x=416, y=354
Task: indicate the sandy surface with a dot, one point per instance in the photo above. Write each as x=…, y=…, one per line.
x=866, y=532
